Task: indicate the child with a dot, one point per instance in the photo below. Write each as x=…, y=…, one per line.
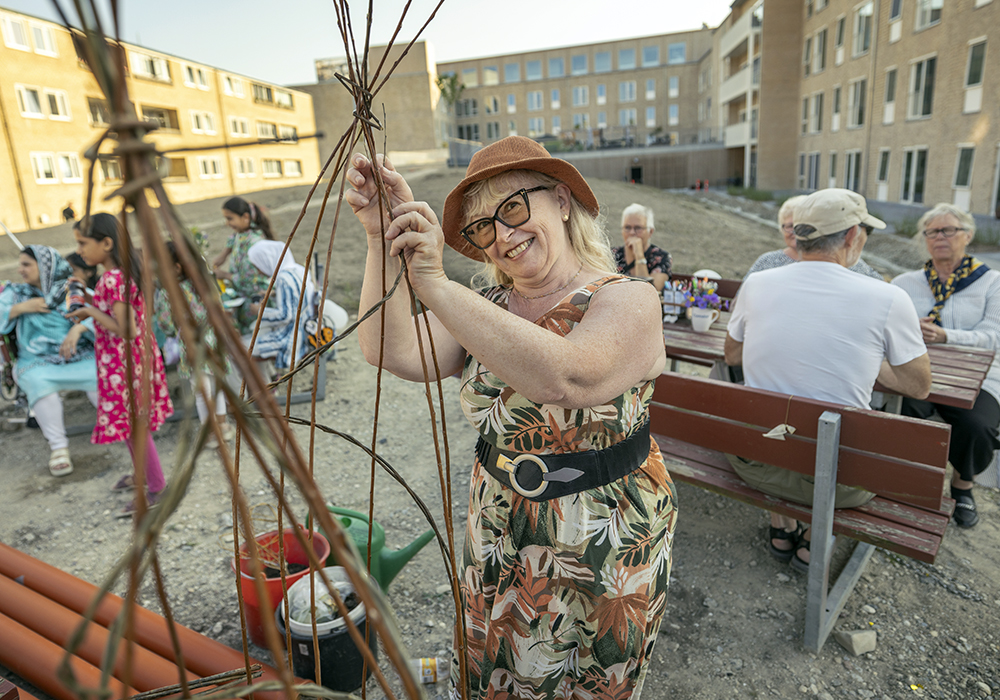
x=199, y=321
x=82, y=271
x=117, y=306
x=250, y=225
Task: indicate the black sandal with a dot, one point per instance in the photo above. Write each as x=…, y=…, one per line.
x=798, y=563
x=780, y=533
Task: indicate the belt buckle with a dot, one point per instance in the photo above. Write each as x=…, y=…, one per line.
x=510, y=466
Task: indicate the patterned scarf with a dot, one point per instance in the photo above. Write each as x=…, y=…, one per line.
x=968, y=271
x=53, y=271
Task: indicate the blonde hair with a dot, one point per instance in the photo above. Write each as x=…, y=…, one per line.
x=964, y=218
x=788, y=207
x=587, y=236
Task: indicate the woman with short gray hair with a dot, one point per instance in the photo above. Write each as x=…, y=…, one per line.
x=638, y=257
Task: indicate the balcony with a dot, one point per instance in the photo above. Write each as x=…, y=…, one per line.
x=739, y=32
x=737, y=135
x=735, y=85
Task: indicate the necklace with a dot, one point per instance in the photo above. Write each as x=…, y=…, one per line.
x=548, y=294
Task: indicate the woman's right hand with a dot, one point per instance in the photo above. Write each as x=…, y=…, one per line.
x=364, y=200
x=34, y=305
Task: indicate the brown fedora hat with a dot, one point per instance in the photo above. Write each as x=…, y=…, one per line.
x=511, y=153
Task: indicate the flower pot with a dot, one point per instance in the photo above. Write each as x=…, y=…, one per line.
x=294, y=554
x=702, y=319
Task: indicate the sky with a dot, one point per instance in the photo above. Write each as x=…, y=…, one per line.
x=277, y=40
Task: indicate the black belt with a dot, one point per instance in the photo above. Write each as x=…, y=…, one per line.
x=543, y=477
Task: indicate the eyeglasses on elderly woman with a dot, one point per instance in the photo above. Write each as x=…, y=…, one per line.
x=946, y=231
x=513, y=212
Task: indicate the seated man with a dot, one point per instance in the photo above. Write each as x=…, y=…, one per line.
x=819, y=331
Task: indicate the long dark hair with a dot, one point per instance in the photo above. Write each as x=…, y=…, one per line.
x=258, y=218
x=76, y=260
x=106, y=226
x=172, y=249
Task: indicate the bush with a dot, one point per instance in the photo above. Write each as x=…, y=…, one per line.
x=987, y=236
x=750, y=193
x=907, y=226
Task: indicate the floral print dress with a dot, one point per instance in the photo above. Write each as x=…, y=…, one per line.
x=113, y=384
x=247, y=280
x=562, y=598
x=165, y=319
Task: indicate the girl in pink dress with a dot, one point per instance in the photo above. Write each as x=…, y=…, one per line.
x=117, y=302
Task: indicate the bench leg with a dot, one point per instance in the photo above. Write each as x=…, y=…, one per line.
x=893, y=403
x=306, y=396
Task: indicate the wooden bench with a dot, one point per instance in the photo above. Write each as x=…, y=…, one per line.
x=696, y=421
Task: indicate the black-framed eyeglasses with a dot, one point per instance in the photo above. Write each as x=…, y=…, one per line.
x=947, y=232
x=868, y=229
x=513, y=212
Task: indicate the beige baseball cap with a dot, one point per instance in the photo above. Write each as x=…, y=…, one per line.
x=833, y=210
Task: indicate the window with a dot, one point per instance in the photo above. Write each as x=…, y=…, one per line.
x=288, y=134
x=245, y=167
x=581, y=96
x=177, y=169
x=43, y=165
x=533, y=70
x=58, y=105
x=512, y=128
x=202, y=122
x=195, y=77
x=963, y=167
x=839, y=39
x=914, y=173
x=45, y=41
x=807, y=53
x=166, y=118
x=239, y=127
x=29, y=101
x=928, y=12
x=857, y=92
x=922, y=88
x=673, y=115
x=262, y=93
x=111, y=169
x=511, y=104
x=895, y=10
x=581, y=121
x=650, y=117
x=492, y=130
x=833, y=168
x=470, y=77
x=555, y=98
x=650, y=56
x=626, y=59
x=852, y=171
x=293, y=168
x=209, y=167
x=578, y=65
x=556, y=125
x=557, y=67
x=602, y=120
x=267, y=130
x=863, y=29
x=626, y=91
x=819, y=61
x=602, y=94
x=232, y=86
x=809, y=8
x=602, y=62
x=805, y=115
x=491, y=75
x=889, y=107
x=469, y=132
x=15, y=34
x=150, y=67
x=99, y=114
x=271, y=167
x=492, y=104
x=512, y=72
x=626, y=117
x=673, y=87
x=817, y=113
x=283, y=98
x=883, y=166
x=535, y=101
x=813, y=172
x=466, y=108
x=974, y=71
x=677, y=53
x=536, y=126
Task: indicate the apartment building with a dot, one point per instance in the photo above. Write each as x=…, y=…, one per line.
x=52, y=110
x=632, y=92
x=898, y=101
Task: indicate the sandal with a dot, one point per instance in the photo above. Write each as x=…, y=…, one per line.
x=60, y=463
x=798, y=563
x=126, y=483
x=779, y=533
x=152, y=500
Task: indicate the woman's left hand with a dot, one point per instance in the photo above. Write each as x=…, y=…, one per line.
x=416, y=235
x=932, y=332
x=69, y=343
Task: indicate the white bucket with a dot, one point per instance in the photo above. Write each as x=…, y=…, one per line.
x=300, y=590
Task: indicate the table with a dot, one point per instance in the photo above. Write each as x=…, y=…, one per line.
x=957, y=371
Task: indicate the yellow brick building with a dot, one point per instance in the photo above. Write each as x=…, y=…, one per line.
x=51, y=111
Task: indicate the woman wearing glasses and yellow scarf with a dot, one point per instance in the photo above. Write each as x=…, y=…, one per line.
x=959, y=298
x=571, y=513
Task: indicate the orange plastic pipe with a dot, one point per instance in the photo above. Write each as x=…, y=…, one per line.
x=36, y=659
x=57, y=624
x=202, y=656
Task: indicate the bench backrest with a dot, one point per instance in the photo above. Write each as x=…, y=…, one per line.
x=727, y=288
x=899, y=458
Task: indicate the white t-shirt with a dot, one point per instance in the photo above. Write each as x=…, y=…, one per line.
x=818, y=330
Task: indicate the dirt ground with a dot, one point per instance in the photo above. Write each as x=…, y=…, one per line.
x=735, y=617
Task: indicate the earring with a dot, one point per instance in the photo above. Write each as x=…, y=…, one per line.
x=565, y=217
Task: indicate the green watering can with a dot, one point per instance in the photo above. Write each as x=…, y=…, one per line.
x=386, y=563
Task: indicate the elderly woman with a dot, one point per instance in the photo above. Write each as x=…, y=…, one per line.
x=959, y=298
x=637, y=257
x=571, y=510
x=53, y=353
x=789, y=254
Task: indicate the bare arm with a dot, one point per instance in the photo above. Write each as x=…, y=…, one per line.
x=114, y=324
x=35, y=305
x=911, y=379
x=734, y=351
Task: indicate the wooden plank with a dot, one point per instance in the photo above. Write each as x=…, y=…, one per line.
x=8, y=691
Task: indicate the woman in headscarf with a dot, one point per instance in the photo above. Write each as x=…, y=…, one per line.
x=277, y=339
x=53, y=353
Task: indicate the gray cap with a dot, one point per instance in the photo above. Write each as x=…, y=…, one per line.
x=833, y=210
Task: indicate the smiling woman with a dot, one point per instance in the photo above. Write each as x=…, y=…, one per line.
x=571, y=513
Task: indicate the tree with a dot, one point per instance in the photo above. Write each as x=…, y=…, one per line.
x=451, y=88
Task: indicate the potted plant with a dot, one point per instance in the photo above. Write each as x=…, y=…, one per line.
x=703, y=303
